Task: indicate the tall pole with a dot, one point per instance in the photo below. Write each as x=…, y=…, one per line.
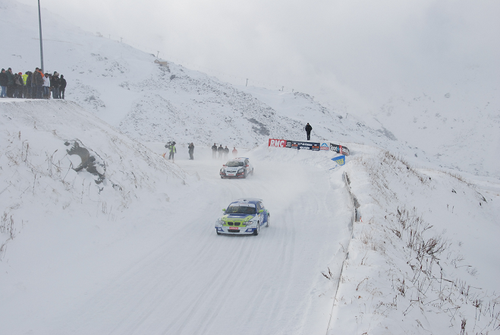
x=40, y=28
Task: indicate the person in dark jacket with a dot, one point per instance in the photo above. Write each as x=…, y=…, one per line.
x=18, y=85
x=38, y=81
x=10, y=83
x=308, y=131
x=191, y=150
x=33, y=86
x=214, y=151
x=54, y=85
x=220, y=150
x=3, y=84
x=62, y=87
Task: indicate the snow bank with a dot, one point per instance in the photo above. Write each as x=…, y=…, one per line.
x=423, y=256
x=40, y=174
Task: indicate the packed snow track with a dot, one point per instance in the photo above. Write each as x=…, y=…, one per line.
x=172, y=274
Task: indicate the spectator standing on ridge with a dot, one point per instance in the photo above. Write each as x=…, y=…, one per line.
x=27, y=85
x=18, y=85
x=46, y=86
x=38, y=81
x=235, y=152
x=214, y=151
x=191, y=150
x=62, y=87
x=34, y=91
x=308, y=131
x=54, y=85
x=10, y=83
x=226, y=152
x=3, y=84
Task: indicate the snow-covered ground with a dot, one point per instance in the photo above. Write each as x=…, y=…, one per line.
x=132, y=249
x=423, y=258
x=137, y=253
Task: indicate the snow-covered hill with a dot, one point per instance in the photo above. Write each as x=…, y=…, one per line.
x=422, y=259
x=457, y=127
x=132, y=247
x=99, y=234
x=130, y=239
x=148, y=101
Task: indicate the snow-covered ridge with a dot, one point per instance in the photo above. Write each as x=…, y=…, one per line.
x=67, y=234
x=40, y=171
x=149, y=101
x=421, y=258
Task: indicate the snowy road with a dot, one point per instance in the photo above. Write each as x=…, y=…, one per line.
x=176, y=276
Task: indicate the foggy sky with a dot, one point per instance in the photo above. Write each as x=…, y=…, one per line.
x=362, y=49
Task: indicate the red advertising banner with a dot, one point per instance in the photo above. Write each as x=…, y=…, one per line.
x=277, y=143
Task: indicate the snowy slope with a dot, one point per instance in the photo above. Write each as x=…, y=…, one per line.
x=137, y=253
x=149, y=102
x=460, y=127
x=424, y=257
x=132, y=250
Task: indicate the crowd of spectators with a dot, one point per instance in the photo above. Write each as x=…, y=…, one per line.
x=32, y=85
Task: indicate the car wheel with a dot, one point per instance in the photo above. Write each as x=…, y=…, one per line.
x=257, y=230
x=217, y=231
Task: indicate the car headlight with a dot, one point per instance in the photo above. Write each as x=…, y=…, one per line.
x=250, y=222
x=219, y=222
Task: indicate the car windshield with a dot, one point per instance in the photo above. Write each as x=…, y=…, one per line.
x=234, y=163
x=235, y=209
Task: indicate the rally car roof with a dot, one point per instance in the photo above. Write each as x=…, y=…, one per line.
x=246, y=201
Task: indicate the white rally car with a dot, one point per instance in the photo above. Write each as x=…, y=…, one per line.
x=243, y=217
x=236, y=168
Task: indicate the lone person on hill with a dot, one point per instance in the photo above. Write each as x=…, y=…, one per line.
x=308, y=131
x=191, y=150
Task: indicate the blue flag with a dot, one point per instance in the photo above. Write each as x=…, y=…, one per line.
x=340, y=160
